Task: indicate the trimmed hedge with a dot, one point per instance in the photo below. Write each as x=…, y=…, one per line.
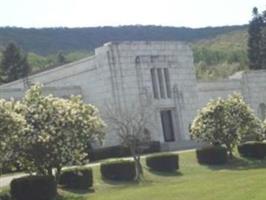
x=33, y=188
x=121, y=170
x=163, y=162
x=11, y=168
x=256, y=150
x=5, y=196
x=213, y=155
x=77, y=178
x=119, y=151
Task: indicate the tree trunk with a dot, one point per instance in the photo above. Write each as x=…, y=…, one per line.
x=50, y=171
x=231, y=154
x=136, y=158
x=58, y=174
x=138, y=166
x=230, y=151
x=1, y=168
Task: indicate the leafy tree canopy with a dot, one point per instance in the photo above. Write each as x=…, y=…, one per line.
x=12, y=129
x=60, y=130
x=226, y=122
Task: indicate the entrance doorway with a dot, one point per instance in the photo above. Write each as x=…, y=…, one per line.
x=167, y=125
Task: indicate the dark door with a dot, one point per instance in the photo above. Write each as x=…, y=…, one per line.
x=167, y=124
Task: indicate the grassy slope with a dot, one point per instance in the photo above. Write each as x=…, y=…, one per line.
x=241, y=180
x=225, y=45
x=236, y=40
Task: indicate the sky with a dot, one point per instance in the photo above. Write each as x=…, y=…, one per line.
x=90, y=13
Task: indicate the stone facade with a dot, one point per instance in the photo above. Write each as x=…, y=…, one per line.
x=123, y=74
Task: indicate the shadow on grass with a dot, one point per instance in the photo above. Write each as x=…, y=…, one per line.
x=120, y=182
x=79, y=191
x=239, y=163
x=159, y=173
x=69, y=197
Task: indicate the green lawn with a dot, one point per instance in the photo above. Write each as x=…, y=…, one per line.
x=240, y=180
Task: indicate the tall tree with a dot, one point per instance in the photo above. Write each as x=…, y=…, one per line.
x=254, y=40
x=14, y=64
x=60, y=58
x=263, y=48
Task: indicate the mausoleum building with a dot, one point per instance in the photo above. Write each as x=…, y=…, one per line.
x=128, y=74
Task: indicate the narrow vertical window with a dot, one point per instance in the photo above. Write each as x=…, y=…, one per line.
x=154, y=84
x=167, y=82
x=161, y=83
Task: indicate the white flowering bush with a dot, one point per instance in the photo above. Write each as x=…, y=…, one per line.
x=226, y=122
x=12, y=128
x=60, y=130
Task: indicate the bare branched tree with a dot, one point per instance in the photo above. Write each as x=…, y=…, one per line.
x=131, y=127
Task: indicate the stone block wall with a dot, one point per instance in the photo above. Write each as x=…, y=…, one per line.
x=130, y=64
x=254, y=88
x=213, y=89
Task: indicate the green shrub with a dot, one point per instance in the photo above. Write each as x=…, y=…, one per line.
x=122, y=170
x=77, y=178
x=33, y=188
x=212, y=155
x=235, y=117
x=163, y=162
x=255, y=150
x=5, y=196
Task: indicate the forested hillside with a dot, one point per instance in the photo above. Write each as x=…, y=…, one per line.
x=51, y=40
x=218, y=51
